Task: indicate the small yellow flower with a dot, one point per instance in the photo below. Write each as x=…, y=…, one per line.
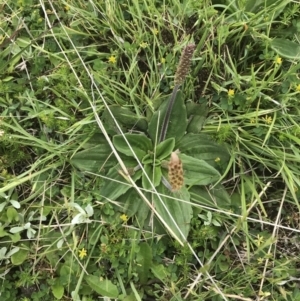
x=67, y=7
x=217, y=159
x=267, y=119
x=230, y=93
x=155, y=31
x=144, y=44
x=298, y=88
x=259, y=240
x=278, y=60
x=82, y=253
x=124, y=218
x=260, y=260
x=264, y=294
x=112, y=59
x=162, y=60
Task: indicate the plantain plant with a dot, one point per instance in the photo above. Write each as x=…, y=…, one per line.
x=167, y=157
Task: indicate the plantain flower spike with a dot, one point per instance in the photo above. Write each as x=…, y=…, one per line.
x=175, y=172
x=184, y=64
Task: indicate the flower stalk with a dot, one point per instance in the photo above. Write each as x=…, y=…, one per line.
x=180, y=75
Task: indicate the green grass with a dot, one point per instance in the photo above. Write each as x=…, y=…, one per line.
x=86, y=209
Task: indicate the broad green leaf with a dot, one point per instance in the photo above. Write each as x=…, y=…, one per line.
x=3, y=232
x=164, y=149
x=256, y=6
x=215, y=197
x=134, y=205
x=144, y=262
x=15, y=204
x=19, y=257
x=57, y=290
x=198, y=172
x=3, y=251
x=178, y=120
x=286, y=48
x=197, y=115
x=202, y=146
x=175, y=213
x=154, y=174
x=139, y=143
x=75, y=296
x=95, y=159
x=115, y=185
x=2, y=205
x=160, y=272
x=196, y=124
x=125, y=118
x=12, y=214
x=103, y=287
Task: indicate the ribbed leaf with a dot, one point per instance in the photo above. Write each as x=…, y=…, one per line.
x=202, y=146
x=180, y=213
x=198, y=172
x=286, y=48
x=115, y=185
x=215, y=197
x=103, y=287
x=140, y=144
x=178, y=119
x=144, y=262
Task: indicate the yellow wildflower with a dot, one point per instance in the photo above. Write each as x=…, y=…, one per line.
x=278, y=60
x=260, y=260
x=217, y=159
x=267, y=119
x=155, y=31
x=112, y=59
x=230, y=93
x=82, y=253
x=259, y=240
x=124, y=218
x=264, y=294
x=298, y=88
x=144, y=44
x=162, y=60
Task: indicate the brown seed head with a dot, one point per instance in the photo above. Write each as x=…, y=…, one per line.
x=175, y=172
x=184, y=64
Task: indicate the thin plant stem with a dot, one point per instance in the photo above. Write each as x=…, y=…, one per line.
x=166, y=120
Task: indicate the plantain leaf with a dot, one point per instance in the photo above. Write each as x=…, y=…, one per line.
x=154, y=174
x=134, y=205
x=96, y=155
x=180, y=212
x=256, y=6
x=164, y=149
x=144, y=262
x=125, y=118
x=103, y=287
x=198, y=172
x=178, y=120
x=286, y=48
x=202, y=146
x=216, y=197
x=139, y=143
x=115, y=185
x=197, y=115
